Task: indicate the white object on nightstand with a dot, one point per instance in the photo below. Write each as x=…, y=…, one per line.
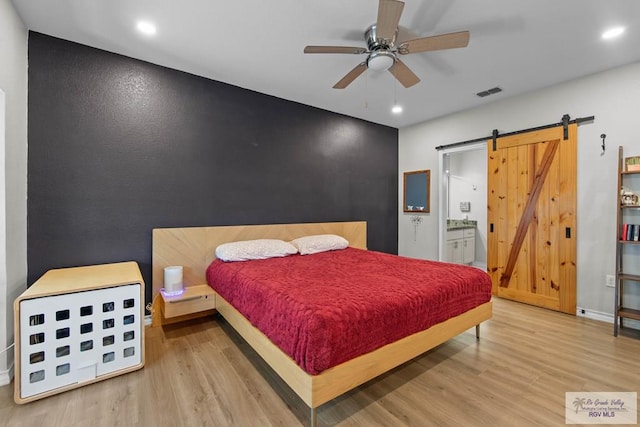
x=173, y=284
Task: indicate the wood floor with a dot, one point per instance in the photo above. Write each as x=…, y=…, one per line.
x=202, y=374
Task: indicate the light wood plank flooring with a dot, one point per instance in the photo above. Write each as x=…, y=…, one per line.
x=202, y=374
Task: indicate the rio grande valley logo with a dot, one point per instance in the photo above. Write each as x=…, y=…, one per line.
x=601, y=408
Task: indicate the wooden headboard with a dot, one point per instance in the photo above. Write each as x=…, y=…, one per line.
x=194, y=247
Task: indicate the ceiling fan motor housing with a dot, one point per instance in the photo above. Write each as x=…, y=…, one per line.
x=374, y=42
x=381, y=56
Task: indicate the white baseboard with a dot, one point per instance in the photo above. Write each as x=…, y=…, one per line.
x=594, y=315
x=606, y=317
x=6, y=376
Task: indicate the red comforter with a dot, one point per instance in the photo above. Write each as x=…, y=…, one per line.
x=327, y=308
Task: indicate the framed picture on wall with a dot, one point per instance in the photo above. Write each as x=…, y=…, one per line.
x=416, y=191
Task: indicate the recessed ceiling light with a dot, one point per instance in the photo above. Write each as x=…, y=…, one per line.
x=612, y=33
x=396, y=109
x=146, y=27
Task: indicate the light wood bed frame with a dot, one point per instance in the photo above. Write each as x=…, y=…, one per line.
x=194, y=248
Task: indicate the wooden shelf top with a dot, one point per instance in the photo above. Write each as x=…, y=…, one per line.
x=76, y=279
x=634, y=277
x=629, y=313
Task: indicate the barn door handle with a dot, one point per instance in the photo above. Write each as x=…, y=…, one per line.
x=567, y=232
x=491, y=228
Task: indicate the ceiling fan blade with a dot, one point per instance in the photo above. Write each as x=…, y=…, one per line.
x=389, y=12
x=334, y=49
x=351, y=76
x=404, y=75
x=427, y=44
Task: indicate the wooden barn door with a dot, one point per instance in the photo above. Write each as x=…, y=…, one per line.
x=531, y=248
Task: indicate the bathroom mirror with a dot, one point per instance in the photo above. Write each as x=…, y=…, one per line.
x=416, y=191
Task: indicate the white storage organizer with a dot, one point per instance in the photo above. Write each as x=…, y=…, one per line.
x=77, y=326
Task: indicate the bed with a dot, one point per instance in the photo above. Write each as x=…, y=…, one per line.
x=315, y=383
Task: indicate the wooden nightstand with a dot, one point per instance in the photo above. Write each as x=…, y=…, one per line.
x=195, y=301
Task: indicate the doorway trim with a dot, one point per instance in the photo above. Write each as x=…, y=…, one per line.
x=443, y=199
x=6, y=370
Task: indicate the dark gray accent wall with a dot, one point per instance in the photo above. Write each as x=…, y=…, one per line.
x=118, y=147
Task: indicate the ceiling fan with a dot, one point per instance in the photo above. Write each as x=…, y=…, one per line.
x=382, y=52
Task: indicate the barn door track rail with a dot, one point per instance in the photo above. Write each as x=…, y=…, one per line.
x=565, y=122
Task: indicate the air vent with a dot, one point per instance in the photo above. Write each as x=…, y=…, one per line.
x=488, y=92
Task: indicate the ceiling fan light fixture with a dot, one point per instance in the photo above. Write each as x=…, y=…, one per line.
x=380, y=60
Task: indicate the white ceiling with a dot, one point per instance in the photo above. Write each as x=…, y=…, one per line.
x=518, y=45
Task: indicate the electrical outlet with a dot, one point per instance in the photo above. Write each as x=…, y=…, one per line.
x=611, y=281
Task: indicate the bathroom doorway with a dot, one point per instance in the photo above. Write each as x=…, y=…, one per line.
x=463, y=197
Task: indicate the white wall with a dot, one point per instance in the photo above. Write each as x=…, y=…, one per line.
x=13, y=175
x=613, y=97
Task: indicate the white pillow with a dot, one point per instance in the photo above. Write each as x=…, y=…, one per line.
x=254, y=249
x=319, y=243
